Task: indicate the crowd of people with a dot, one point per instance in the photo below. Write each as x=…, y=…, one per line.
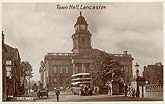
x=129, y=91
x=86, y=91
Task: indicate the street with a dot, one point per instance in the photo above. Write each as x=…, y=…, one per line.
x=95, y=98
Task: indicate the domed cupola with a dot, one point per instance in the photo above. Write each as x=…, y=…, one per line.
x=81, y=20
x=81, y=24
x=81, y=37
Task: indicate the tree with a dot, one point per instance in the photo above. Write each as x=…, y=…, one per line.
x=104, y=67
x=107, y=69
x=27, y=69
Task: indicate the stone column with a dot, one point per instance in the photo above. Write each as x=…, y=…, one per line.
x=83, y=68
x=74, y=69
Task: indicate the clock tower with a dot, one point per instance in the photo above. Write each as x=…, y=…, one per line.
x=81, y=37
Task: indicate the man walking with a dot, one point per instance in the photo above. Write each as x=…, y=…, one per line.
x=57, y=91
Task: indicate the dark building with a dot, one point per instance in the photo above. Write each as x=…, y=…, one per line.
x=153, y=74
x=4, y=51
x=11, y=70
x=58, y=69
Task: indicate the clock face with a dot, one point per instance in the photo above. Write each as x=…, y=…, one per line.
x=82, y=27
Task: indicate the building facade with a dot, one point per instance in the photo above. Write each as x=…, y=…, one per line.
x=154, y=74
x=57, y=69
x=4, y=51
x=11, y=70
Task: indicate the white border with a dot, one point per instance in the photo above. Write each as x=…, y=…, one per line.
x=113, y=102
x=82, y=0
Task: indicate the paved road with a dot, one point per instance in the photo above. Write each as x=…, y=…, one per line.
x=94, y=98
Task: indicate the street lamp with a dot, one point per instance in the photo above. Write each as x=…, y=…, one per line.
x=137, y=80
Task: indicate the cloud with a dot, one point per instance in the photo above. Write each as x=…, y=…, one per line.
x=132, y=17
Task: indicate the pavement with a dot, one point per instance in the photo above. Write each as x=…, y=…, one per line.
x=30, y=97
x=67, y=96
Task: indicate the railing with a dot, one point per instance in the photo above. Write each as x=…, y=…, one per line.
x=62, y=54
x=154, y=91
x=121, y=55
x=73, y=54
x=154, y=88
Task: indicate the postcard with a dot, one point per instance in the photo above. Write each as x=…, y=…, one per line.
x=82, y=52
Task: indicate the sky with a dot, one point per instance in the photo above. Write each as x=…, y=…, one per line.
x=38, y=28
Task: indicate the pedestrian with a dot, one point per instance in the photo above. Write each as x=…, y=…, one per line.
x=81, y=92
x=129, y=90
x=26, y=91
x=86, y=90
x=125, y=90
x=90, y=91
x=109, y=90
x=57, y=91
x=133, y=92
x=95, y=90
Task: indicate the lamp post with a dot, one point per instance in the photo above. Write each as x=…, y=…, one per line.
x=137, y=80
x=112, y=83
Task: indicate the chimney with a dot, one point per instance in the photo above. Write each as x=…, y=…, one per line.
x=125, y=52
x=158, y=64
x=144, y=68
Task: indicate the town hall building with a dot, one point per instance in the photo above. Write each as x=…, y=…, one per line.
x=62, y=70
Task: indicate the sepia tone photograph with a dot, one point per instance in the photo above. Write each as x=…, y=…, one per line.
x=82, y=51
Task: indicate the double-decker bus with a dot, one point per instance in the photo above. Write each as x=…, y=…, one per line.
x=80, y=81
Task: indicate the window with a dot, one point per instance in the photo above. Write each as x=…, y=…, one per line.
x=61, y=79
x=83, y=68
x=61, y=69
x=67, y=69
x=76, y=69
x=126, y=69
x=55, y=80
x=55, y=69
x=8, y=71
x=8, y=68
x=8, y=62
x=67, y=80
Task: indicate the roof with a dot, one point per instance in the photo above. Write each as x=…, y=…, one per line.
x=59, y=55
x=91, y=54
x=11, y=51
x=153, y=68
x=81, y=20
x=96, y=53
x=4, y=48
